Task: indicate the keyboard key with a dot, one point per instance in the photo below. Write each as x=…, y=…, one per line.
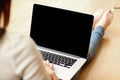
x=58, y=59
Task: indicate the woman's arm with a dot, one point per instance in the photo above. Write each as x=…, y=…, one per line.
x=29, y=62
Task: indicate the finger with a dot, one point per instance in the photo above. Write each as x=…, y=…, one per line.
x=54, y=77
x=47, y=61
x=51, y=66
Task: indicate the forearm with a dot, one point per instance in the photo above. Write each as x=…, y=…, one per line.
x=96, y=38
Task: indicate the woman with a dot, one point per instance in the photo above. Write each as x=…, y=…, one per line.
x=19, y=58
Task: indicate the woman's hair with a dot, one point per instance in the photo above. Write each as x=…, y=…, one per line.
x=5, y=14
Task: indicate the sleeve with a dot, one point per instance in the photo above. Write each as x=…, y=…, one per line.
x=29, y=62
x=96, y=38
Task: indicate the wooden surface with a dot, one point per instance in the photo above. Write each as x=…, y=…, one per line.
x=106, y=64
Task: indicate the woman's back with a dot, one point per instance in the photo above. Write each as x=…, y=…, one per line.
x=19, y=58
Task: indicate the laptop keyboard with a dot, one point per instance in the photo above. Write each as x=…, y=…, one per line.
x=58, y=59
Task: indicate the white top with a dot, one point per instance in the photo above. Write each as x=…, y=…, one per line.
x=20, y=59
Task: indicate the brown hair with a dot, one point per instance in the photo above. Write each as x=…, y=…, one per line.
x=5, y=13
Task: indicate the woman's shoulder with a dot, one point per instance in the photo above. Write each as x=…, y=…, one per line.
x=21, y=49
x=15, y=40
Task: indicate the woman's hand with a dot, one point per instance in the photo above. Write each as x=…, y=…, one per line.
x=50, y=69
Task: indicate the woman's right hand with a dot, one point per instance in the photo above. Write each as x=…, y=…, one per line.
x=50, y=69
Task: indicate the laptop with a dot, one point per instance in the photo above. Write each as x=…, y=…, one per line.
x=62, y=36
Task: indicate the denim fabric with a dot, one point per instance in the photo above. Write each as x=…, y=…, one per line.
x=95, y=40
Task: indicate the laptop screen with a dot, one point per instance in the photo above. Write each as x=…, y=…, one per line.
x=62, y=30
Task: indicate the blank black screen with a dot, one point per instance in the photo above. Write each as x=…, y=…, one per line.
x=62, y=30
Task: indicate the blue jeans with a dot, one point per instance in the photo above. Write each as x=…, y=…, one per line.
x=95, y=40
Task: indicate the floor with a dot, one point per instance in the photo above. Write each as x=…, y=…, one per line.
x=105, y=65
